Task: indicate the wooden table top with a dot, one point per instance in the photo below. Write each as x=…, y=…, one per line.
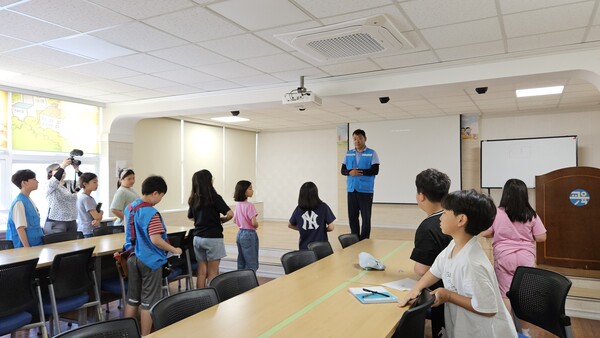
x=313, y=301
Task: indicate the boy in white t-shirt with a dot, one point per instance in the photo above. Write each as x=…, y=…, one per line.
x=474, y=307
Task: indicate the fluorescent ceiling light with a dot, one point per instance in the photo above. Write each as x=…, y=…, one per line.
x=230, y=119
x=8, y=74
x=540, y=91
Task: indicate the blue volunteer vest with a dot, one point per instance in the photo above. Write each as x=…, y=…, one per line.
x=33, y=230
x=365, y=184
x=146, y=251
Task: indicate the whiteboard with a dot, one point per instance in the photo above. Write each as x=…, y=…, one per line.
x=525, y=158
x=407, y=147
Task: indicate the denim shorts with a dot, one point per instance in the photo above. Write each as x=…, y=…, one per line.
x=209, y=249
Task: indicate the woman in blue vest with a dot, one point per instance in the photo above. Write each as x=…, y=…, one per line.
x=24, y=228
x=361, y=165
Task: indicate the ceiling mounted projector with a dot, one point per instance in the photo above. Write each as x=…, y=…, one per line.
x=301, y=98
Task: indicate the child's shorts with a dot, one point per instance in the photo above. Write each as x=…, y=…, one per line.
x=209, y=249
x=145, y=284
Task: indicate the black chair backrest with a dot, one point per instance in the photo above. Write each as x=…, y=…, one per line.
x=189, y=244
x=321, y=249
x=71, y=272
x=115, y=328
x=297, y=259
x=62, y=237
x=538, y=296
x=108, y=230
x=348, y=239
x=412, y=323
x=233, y=283
x=177, y=239
x=6, y=244
x=16, y=287
x=181, y=305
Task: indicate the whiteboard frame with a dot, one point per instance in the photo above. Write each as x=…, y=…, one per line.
x=530, y=184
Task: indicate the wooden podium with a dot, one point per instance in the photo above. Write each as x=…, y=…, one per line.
x=568, y=202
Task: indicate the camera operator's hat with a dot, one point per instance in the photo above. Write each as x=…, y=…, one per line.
x=368, y=262
x=52, y=167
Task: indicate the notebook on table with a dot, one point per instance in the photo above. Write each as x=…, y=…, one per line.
x=373, y=295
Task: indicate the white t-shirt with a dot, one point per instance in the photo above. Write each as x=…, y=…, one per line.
x=18, y=214
x=470, y=274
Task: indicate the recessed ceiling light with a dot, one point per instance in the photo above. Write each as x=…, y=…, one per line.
x=540, y=91
x=8, y=74
x=230, y=119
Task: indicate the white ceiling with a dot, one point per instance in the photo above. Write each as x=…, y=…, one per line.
x=120, y=51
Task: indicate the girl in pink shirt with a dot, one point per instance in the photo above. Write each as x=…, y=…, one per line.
x=515, y=230
x=245, y=217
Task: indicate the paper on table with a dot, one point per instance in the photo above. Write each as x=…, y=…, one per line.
x=402, y=284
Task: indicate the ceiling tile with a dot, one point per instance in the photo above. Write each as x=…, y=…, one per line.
x=593, y=34
x=228, y=70
x=392, y=12
x=66, y=76
x=513, y=6
x=88, y=46
x=148, y=82
x=144, y=63
x=81, y=91
x=463, y=33
x=103, y=70
x=22, y=66
x=140, y=37
x=186, y=76
x=40, y=82
x=325, y=8
x=47, y=56
x=241, y=47
x=196, y=24
x=294, y=75
x=570, y=37
x=471, y=51
x=268, y=35
x=141, y=9
x=180, y=90
x=256, y=80
x=109, y=98
x=275, y=63
x=406, y=60
x=548, y=20
x=353, y=67
x=434, y=13
x=189, y=55
x=8, y=43
x=29, y=29
x=112, y=86
x=253, y=14
x=146, y=94
x=78, y=15
x=217, y=85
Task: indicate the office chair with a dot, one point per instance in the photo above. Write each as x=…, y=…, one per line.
x=538, y=296
x=348, y=239
x=108, y=230
x=61, y=237
x=115, y=328
x=20, y=293
x=233, y=283
x=71, y=278
x=321, y=249
x=177, y=267
x=297, y=259
x=6, y=244
x=181, y=305
x=412, y=323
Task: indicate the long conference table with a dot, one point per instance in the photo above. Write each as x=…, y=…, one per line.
x=311, y=302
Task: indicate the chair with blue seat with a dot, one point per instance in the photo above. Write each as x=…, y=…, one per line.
x=108, y=230
x=297, y=259
x=181, y=305
x=70, y=279
x=115, y=328
x=538, y=296
x=6, y=244
x=233, y=283
x=62, y=237
x=412, y=323
x=177, y=267
x=21, y=298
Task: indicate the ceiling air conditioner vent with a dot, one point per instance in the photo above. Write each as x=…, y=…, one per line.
x=357, y=39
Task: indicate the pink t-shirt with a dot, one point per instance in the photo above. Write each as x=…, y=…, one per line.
x=510, y=237
x=243, y=214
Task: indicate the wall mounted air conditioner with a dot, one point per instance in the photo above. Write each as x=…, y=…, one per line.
x=357, y=39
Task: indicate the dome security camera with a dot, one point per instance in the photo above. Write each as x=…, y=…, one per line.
x=384, y=99
x=301, y=108
x=235, y=112
x=481, y=90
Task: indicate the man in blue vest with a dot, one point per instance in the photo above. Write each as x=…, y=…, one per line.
x=361, y=164
x=24, y=228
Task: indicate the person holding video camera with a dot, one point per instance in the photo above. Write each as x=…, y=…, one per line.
x=62, y=200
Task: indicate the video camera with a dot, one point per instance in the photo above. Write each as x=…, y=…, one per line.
x=75, y=152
